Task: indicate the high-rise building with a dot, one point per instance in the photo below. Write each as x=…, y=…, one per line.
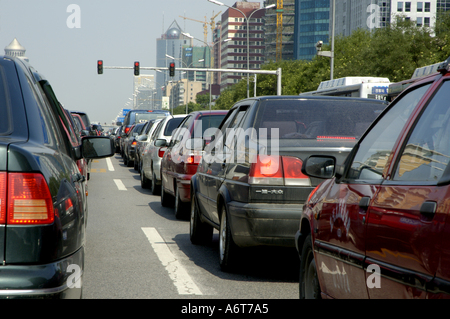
x=312, y=24
x=170, y=44
x=234, y=31
x=287, y=32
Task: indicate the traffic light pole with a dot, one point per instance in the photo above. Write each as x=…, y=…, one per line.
x=278, y=72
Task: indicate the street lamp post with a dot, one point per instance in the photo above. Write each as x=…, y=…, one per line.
x=247, y=19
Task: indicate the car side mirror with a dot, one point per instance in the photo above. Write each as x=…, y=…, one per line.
x=93, y=147
x=84, y=133
x=319, y=166
x=160, y=142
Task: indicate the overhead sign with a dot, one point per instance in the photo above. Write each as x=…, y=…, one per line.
x=125, y=111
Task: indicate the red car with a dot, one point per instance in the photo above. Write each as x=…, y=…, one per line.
x=181, y=158
x=379, y=226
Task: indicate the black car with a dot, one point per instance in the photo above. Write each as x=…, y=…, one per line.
x=42, y=213
x=129, y=144
x=249, y=183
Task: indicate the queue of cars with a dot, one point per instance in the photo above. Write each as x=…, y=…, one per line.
x=43, y=207
x=358, y=186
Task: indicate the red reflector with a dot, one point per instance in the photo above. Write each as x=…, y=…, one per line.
x=3, y=183
x=292, y=167
x=29, y=200
x=335, y=138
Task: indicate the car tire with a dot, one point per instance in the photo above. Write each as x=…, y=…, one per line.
x=156, y=189
x=135, y=164
x=228, y=250
x=200, y=233
x=125, y=160
x=309, y=287
x=180, y=207
x=145, y=182
x=166, y=198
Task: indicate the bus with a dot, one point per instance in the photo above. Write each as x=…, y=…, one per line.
x=420, y=73
x=354, y=86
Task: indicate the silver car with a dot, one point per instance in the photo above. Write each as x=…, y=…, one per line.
x=154, y=151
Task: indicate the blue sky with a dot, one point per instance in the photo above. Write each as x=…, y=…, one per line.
x=117, y=31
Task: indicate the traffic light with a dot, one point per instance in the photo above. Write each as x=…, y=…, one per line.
x=136, y=68
x=100, y=67
x=172, y=69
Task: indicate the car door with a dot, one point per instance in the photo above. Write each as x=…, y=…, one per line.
x=407, y=216
x=224, y=159
x=341, y=238
x=205, y=174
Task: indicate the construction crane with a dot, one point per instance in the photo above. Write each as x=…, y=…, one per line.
x=205, y=26
x=279, y=45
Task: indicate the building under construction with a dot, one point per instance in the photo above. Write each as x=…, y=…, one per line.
x=279, y=37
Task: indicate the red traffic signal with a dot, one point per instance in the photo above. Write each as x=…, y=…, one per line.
x=136, y=68
x=172, y=69
x=100, y=67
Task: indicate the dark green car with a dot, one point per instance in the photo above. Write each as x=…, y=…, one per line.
x=42, y=205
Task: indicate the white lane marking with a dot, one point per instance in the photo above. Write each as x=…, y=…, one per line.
x=120, y=185
x=181, y=279
x=110, y=165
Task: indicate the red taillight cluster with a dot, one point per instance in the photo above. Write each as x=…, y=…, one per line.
x=25, y=199
x=161, y=152
x=278, y=170
x=127, y=129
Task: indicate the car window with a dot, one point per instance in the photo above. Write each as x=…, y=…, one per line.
x=295, y=120
x=182, y=130
x=5, y=105
x=157, y=130
x=373, y=152
x=171, y=125
x=427, y=152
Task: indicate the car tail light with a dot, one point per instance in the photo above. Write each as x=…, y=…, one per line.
x=161, y=152
x=29, y=200
x=292, y=169
x=127, y=129
x=266, y=171
x=278, y=170
x=3, y=183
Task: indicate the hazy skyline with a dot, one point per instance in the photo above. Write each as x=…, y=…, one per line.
x=116, y=31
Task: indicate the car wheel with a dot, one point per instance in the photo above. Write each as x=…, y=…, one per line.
x=309, y=287
x=135, y=164
x=180, y=207
x=166, y=199
x=145, y=182
x=228, y=250
x=200, y=233
x=156, y=189
x=125, y=160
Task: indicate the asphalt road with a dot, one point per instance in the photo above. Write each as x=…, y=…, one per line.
x=136, y=248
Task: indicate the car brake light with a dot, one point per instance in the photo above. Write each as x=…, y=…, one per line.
x=335, y=138
x=127, y=129
x=278, y=170
x=3, y=183
x=161, y=151
x=266, y=171
x=29, y=200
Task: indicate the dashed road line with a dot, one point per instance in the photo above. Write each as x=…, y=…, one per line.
x=181, y=279
x=120, y=185
x=110, y=165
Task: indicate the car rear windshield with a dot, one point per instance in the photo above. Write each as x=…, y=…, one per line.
x=144, y=117
x=5, y=105
x=315, y=119
x=171, y=125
